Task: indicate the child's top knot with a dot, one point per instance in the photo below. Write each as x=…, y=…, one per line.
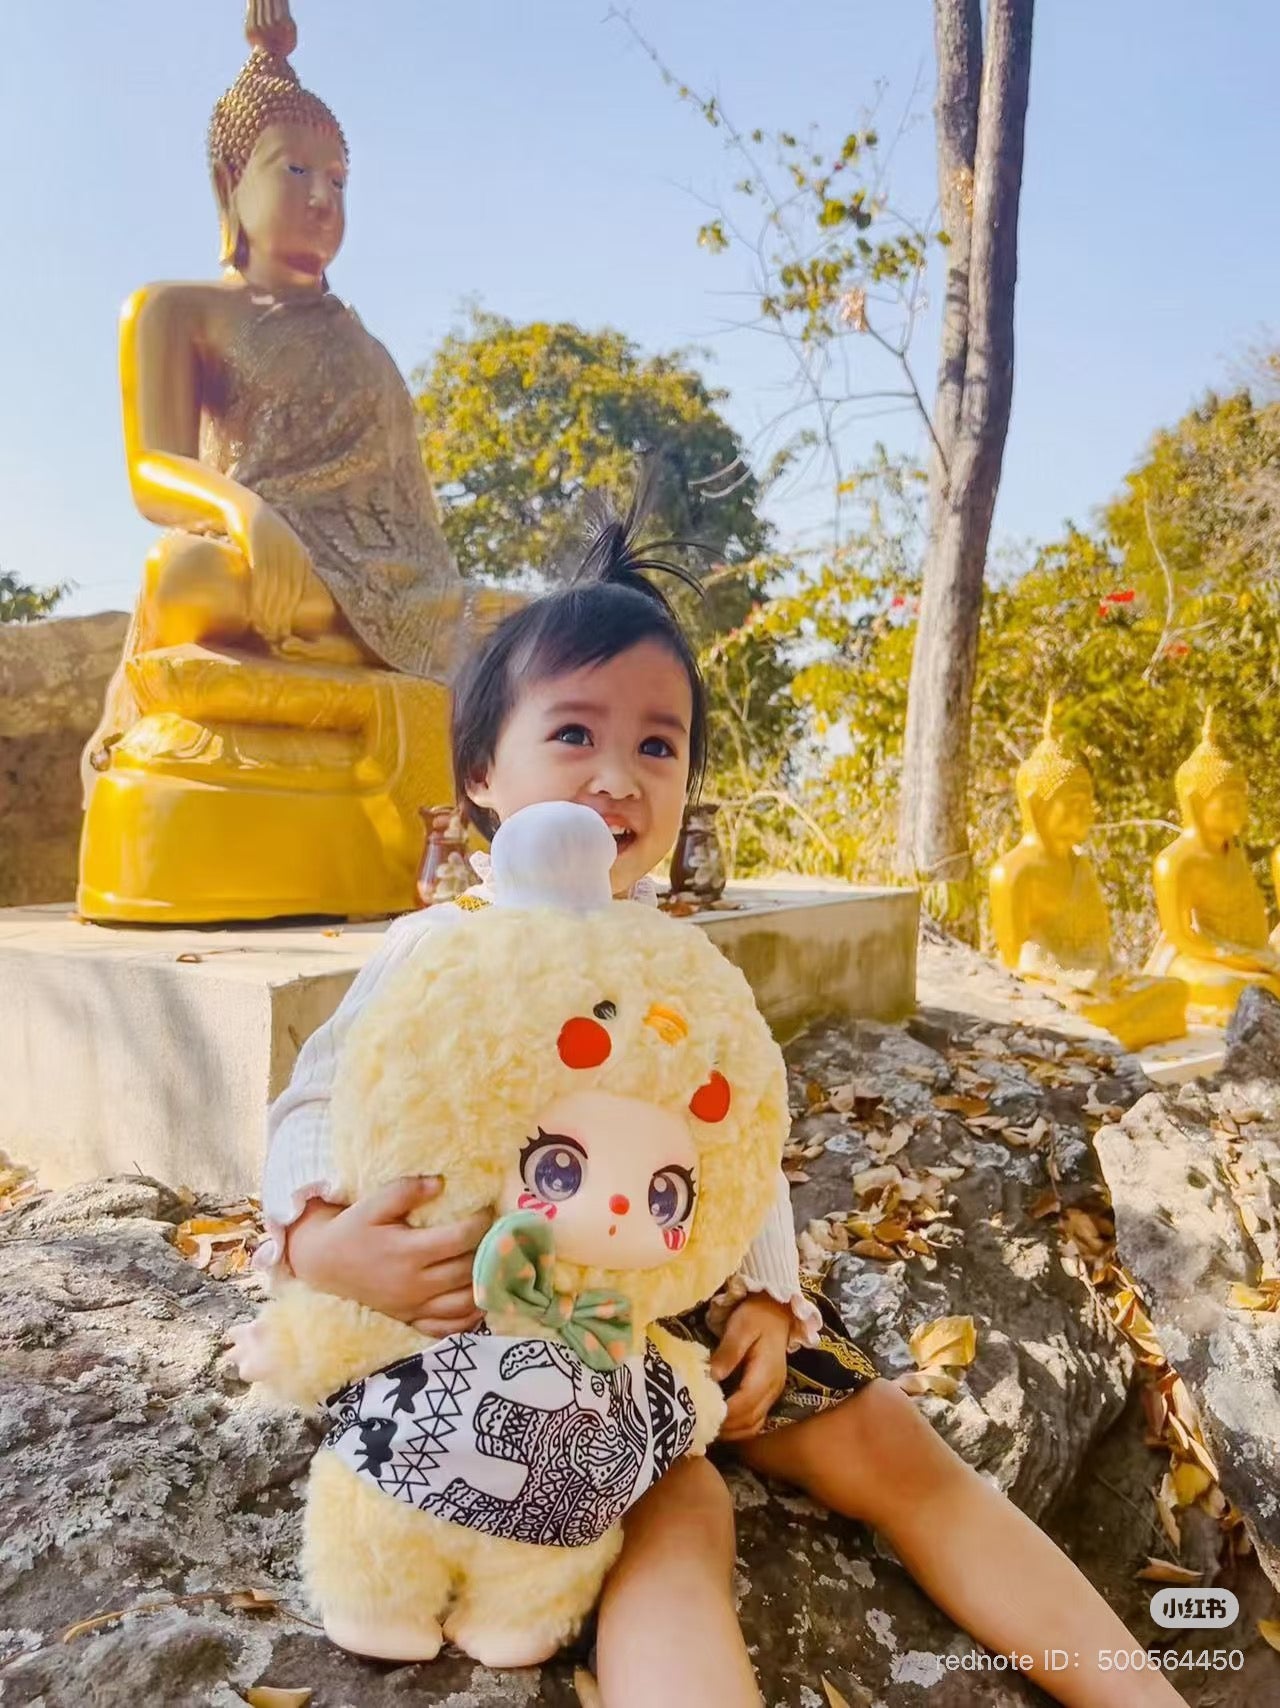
x=615, y=555
x=553, y=854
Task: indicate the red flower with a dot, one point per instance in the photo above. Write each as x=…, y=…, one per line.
x=1124, y=598
x=1177, y=649
x=898, y=601
x=1104, y=610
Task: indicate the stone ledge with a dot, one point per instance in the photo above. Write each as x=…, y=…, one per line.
x=53, y=677
x=157, y=1050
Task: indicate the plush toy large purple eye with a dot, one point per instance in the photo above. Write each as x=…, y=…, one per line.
x=552, y=1167
x=671, y=1198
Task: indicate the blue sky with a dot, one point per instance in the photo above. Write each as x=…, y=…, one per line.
x=528, y=156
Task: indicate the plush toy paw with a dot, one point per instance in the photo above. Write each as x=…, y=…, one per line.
x=502, y=1646
x=385, y=1639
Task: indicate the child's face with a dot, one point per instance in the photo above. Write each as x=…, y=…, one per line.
x=613, y=737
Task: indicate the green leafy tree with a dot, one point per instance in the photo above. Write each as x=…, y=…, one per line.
x=519, y=422
x=21, y=603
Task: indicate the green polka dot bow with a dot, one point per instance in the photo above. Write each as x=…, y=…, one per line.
x=515, y=1277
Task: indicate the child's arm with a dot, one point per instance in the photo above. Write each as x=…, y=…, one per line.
x=365, y=1252
x=772, y=1267
x=299, y=1165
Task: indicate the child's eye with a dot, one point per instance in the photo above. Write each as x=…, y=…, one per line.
x=553, y=1167
x=573, y=735
x=298, y=171
x=657, y=747
x=671, y=1196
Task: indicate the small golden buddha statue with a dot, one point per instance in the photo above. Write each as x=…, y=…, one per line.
x=281, y=710
x=1050, y=917
x=1213, y=917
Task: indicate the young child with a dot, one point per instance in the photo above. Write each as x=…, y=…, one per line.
x=592, y=694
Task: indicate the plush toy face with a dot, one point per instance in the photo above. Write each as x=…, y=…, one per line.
x=616, y=1176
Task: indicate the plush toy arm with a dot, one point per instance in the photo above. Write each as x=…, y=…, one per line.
x=689, y=1360
x=304, y=1345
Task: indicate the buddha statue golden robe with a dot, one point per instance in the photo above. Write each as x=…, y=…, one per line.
x=1213, y=917
x=281, y=711
x=1049, y=914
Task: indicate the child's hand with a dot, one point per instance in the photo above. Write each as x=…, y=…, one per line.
x=370, y=1254
x=755, y=1344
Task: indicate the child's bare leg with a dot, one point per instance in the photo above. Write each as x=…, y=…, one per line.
x=875, y=1457
x=670, y=1595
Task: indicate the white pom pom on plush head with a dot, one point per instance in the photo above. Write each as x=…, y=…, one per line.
x=591, y=1060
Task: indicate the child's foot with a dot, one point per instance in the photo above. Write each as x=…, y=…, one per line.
x=500, y=1646
x=385, y=1639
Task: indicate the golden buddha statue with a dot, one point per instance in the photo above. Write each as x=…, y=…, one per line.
x=1213, y=918
x=281, y=710
x=1049, y=914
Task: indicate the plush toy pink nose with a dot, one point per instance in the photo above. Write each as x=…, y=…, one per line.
x=619, y=1205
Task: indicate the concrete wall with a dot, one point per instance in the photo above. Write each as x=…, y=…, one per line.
x=53, y=676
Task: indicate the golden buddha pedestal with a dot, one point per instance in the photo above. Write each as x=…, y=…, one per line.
x=281, y=711
x=1213, y=917
x=1049, y=914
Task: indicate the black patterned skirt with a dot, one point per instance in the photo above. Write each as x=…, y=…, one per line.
x=818, y=1377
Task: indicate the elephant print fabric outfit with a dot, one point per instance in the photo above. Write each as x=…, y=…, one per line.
x=515, y=1437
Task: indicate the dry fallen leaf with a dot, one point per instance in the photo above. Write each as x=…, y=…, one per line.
x=253, y=1600
x=873, y=1248
x=1164, y=1498
x=1269, y=1631
x=268, y=1696
x=945, y=1341
x=1239, y=1297
x=873, y=1179
x=834, y=1698
x=962, y=1105
x=929, y=1382
x=1047, y=1204
x=1164, y=1571
x=1190, y=1481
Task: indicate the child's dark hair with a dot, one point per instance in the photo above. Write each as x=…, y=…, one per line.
x=608, y=607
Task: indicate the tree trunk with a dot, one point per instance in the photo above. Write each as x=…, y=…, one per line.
x=980, y=151
x=958, y=44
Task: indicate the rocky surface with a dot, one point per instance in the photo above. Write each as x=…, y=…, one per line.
x=137, y=1473
x=1194, y=1176
x=53, y=676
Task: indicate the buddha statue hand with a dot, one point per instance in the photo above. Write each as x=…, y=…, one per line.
x=280, y=568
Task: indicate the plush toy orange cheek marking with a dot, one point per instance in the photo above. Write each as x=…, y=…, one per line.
x=710, y=1102
x=583, y=1043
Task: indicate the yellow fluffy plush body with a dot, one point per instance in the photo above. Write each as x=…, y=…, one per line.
x=507, y=1056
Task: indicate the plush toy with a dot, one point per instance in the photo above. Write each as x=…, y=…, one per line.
x=601, y=1076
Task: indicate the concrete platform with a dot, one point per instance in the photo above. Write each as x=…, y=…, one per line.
x=158, y=1050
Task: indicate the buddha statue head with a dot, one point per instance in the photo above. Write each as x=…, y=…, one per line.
x=279, y=161
x=1055, y=793
x=1213, y=793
